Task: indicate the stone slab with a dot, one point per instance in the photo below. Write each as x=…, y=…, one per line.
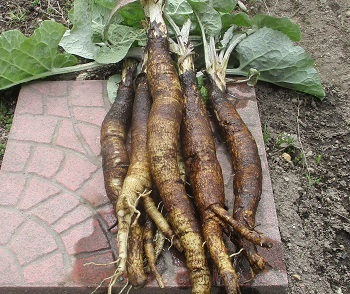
x=54, y=212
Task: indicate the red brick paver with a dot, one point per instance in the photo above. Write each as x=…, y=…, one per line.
x=54, y=212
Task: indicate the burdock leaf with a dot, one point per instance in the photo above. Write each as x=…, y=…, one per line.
x=121, y=38
x=178, y=10
x=78, y=40
x=282, y=24
x=29, y=58
x=278, y=61
x=208, y=16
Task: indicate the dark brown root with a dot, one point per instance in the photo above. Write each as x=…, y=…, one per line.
x=163, y=136
x=138, y=179
x=248, y=234
x=115, y=159
x=205, y=176
x=246, y=162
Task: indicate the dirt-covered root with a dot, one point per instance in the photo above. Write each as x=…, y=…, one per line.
x=148, y=241
x=257, y=262
x=242, y=229
x=193, y=248
x=203, y=169
x=205, y=175
x=248, y=249
x=136, y=275
x=159, y=241
x=212, y=231
x=138, y=180
x=115, y=159
x=160, y=221
x=163, y=135
x=247, y=182
x=181, y=163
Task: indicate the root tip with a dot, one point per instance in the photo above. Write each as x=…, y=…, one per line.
x=267, y=243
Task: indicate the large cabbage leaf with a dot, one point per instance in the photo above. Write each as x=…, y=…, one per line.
x=121, y=39
x=279, y=62
x=28, y=58
x=87, y=37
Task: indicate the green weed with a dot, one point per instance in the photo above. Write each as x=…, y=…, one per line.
x=2, y=149
x=17, y=16
x=5, y=117
x=266, y=135
x=312, y=181
x=299, y=159
x=318, y=159
x=285, y=141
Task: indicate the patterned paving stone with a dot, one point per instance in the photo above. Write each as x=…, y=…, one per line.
x=55, y=207
x=57, y=107
x=46, y=271
x=37, y=191
x=10, y=220
x=92, y=115
x=92, y=89
x=67, y=137
x=36, y=106
x=94, y=192
x=33, y=128
x=87, y=271
x=90, y=231
x=18, y=154
x=31, y=241
x=9, y=269
x=91, y=135
x=55, y=215
x=11, y=187
x=70, y=176
x=72, y=218
x=46, y=161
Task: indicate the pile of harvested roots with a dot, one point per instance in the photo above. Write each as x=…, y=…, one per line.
x=170, y=129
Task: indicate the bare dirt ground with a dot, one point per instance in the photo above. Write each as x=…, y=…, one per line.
x=307, y=141
x=313, y=199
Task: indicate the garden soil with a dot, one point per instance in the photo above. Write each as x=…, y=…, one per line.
x=307, y=140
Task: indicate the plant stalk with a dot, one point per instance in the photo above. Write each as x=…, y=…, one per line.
x=58, y=71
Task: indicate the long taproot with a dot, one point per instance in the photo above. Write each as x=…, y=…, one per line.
x=115, y=159
x=163, y=134
x=248, y=172
x=205, y=176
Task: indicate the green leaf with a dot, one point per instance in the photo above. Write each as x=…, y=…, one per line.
x=122, y=38
x=282, y=24
x=99, y=19
x=225, y=6
x=107, y=3
x=279, y=62
x=112, y=86
x=241, y=19
x=133, y=14
x=78, y=40
x=89, y=18
x=208, y=16
x=23, y=59
x=178, y=10
x=227, y=20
